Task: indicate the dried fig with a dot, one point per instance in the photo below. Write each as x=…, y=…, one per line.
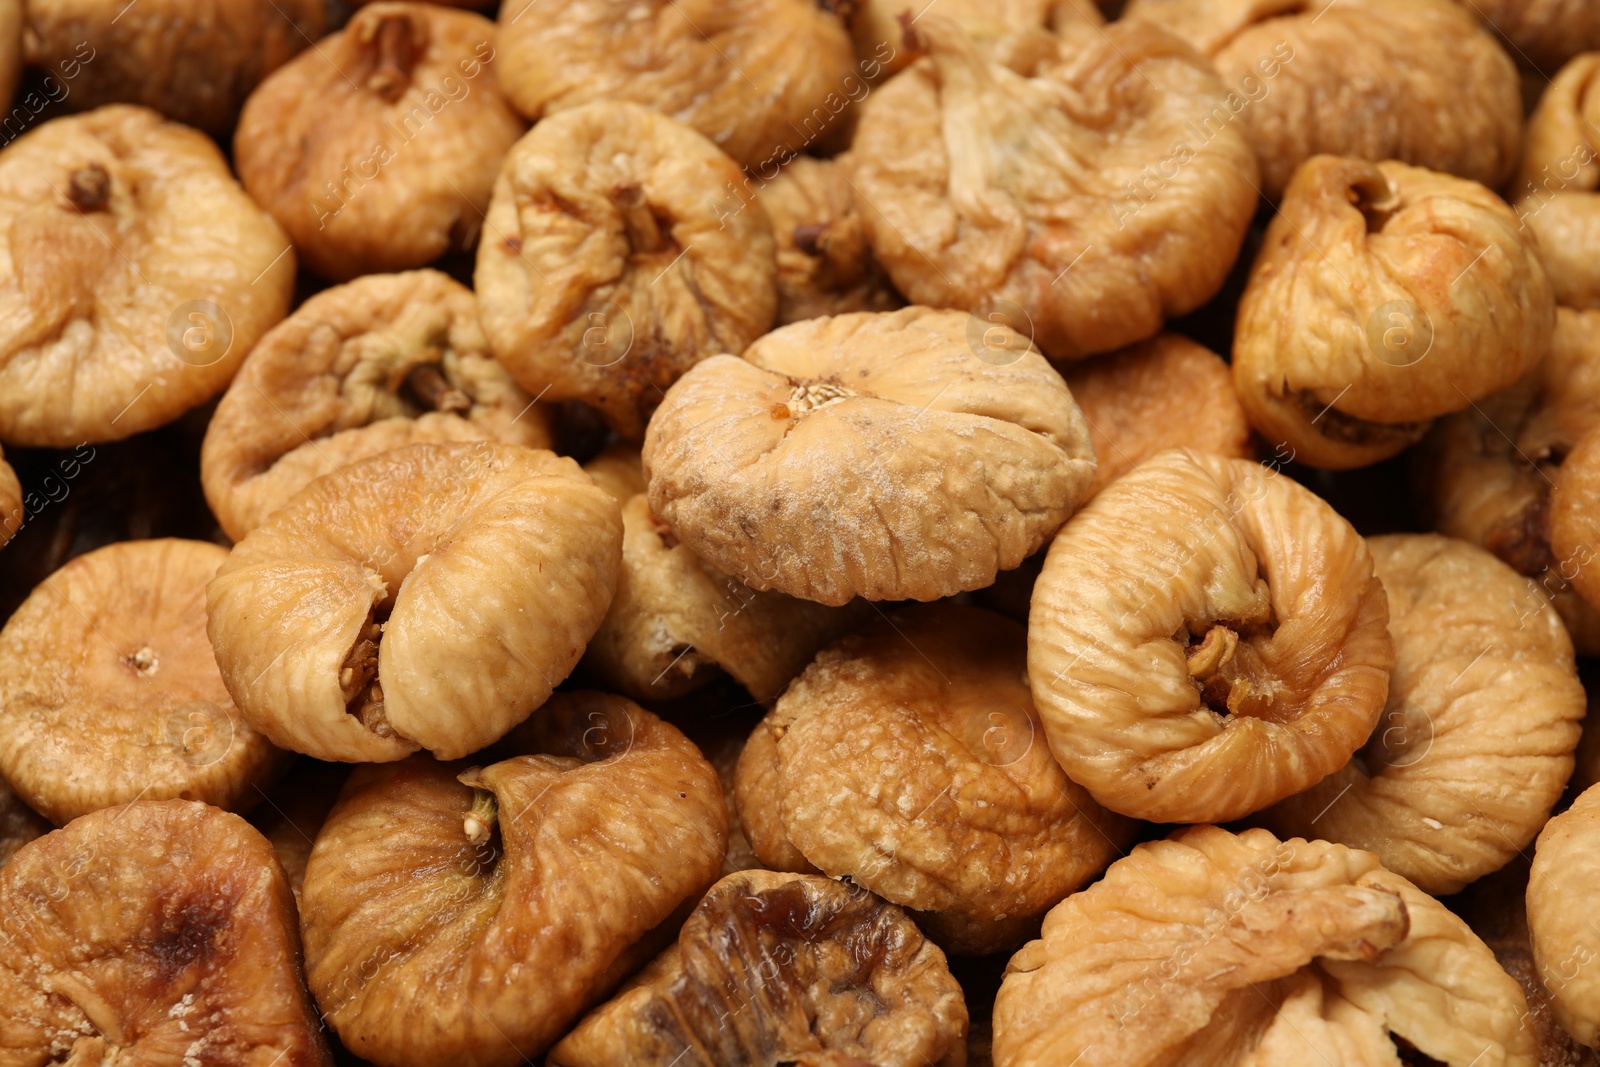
x=612, y=266
x=1222, y=949
x=1561, y=904
x=11, y=509
x=1476, y=740
x=1347, y=78
x=1077, y=204
x=377, y=149
x=384, y=361
x=1543, y=33
x=909, y=758
x=161, y=932
x=1167, y=392
x=136, y=275
x=19, y=824
x=1207, y=637
x=1575, y=517
x=194, y=61
x=782, y=968
x=878, y=27
x=761, y=78
x=427, y=597
x=1384, y=296
x=469, y=916
x=109, y=692
x=1557, y=182
x=889, y=456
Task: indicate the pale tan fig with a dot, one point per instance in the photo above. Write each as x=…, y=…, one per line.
x=109, y=691
x=878, y=27
x=377, y=149
x=1423, y=82
x=384, y=361
x=19, y=824
x=1207, y=638
x=1475, y=743
x=782, y=968
x=469, y=916
x=12, y=511
x=1542, y=33
x=902, y=455
x=427, y=597
x=760, y=78
x=1075, y=205
x=909, y=758
x=1561, y=905
x=1555, y=190
x=1245, y=950
x=159, y=933
x=611, y=263
x=1384, y=296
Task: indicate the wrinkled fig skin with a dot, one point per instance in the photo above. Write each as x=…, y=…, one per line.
x=1030, y=197
x=126, y=242
x=1207, y=637
x=782, y=968
x=879, y=34
x=869, y=455
x=11, y=507
x=1575, y=517
x=760, y=78
x=428, y=597
x=1243, y=950
x=909, y=758
x=1561, y=906
x=159, y=933
x=623, y=248
x=1384, y=296
x=195, y=61
x=1349, y=78
x=423, y=947
x=385, y=361
x=1543, y=33
x=1475, y=743
x=377, y=150
x=1555, y=187
x=109, y=691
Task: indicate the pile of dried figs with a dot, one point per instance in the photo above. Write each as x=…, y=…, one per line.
x=799, y=533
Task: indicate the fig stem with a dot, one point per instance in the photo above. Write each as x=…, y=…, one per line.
x=479, y=821
x=434, y=389
x=396, y=53
x=638, y=221
x=89, y=188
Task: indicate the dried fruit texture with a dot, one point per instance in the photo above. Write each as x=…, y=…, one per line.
x=377, y=149
x=109, y=691
x=11, y=509
x=1384, y=296
x=1484, y=475
x=1555, y=187
x=385, y=361
x=1476, y=740
x=1222, y=949
x=136, y=276
x=292, y=814
x=878, y=27
x=1561, y=891
x=1167, y=392
x=1348, y=79
x=676, y=621
x=161, y=932
x=783, y=968
x=1207, y=637
x=1575, y=517
x=909, y=758
x=19, y=824
x=825, y=266
x=439, y=931
x=1013, y=196
x=428, y=597
x=194, y=61
x=760, y=78
x=614, y=264
x=1543, y=33
x=891, y=456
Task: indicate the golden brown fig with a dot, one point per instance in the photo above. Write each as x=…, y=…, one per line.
x=760, y=78
x=1207, y=637
x=1075, y=205
x=1555, y=187
x=109, y=691
x=158, y=933
x=878, y=27
x=136, y=276
x=469, y=916
x=1475, y=743
x=612, y=265
x=1221, y=949
x=1384, y=296
x=782, y=968
x=1575, y=517
x=909, y=758
x=428, y=597
x=903, y=455
x=1542, y=33
x=1167, y=392
x=292, y=814
x=11, y=509
x=1561, y=906
x=385, y=361
x=19, y=824
x=377, y=149
x=1354, y=78
x=194, y=61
